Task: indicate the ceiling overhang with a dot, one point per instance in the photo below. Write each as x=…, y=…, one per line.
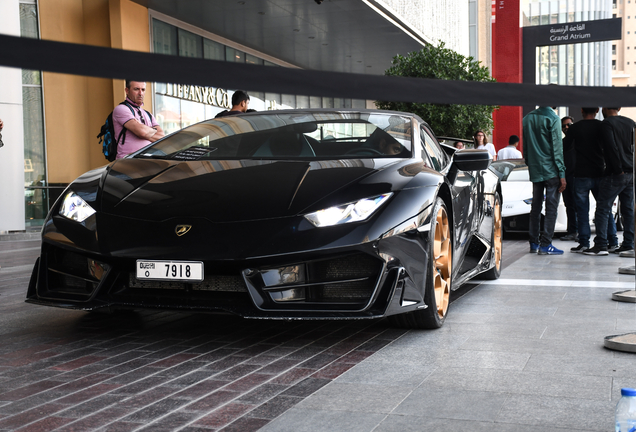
x=358, y=36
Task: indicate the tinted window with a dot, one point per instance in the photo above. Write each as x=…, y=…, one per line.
x=290, y=134
x=435, y=153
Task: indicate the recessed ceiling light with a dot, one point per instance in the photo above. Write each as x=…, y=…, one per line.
x=241, y=2
x=325, y=44
x=296, y=30
x=312, y=37
x=261, y=13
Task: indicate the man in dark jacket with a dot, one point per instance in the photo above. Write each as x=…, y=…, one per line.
x=583, y=141
x=240, y=104
x=543, y=152
x=568, y=193
x=618, y=147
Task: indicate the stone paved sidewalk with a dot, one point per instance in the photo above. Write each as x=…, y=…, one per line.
x=159, y=371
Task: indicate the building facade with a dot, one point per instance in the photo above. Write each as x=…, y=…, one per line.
x=624, y=50
x=581, y=64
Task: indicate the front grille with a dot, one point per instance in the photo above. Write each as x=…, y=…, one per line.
x=349, y=267
x=218, y=283
x=346, y=283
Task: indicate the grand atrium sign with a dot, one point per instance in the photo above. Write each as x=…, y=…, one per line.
x=574, y=32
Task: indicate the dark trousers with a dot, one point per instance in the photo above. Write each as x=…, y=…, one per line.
x=610, y=187
x=582, y=189
x=570, y=205
x=551, y=190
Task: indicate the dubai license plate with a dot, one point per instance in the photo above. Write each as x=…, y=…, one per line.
x=170, y=270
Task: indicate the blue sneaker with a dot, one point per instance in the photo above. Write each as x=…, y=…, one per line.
x=534, y=248
x=549, y=250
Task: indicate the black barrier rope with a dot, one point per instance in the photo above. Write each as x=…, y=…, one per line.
x=86, y=60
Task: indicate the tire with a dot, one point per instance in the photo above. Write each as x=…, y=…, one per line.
x=496, y=242
x=438, y=279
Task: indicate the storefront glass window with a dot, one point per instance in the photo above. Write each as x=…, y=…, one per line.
x=190, y=45
x=164, y=38
x=302, y=102
x=178, y=106
x=168, y=113
x=250, y=59
x=234, y=55
x=35, y=180
x=213, y=50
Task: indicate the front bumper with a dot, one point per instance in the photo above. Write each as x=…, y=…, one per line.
x=345, y=283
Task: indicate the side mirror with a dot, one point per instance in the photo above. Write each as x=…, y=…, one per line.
x=471, y=159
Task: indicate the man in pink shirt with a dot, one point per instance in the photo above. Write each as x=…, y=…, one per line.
x=141, y=127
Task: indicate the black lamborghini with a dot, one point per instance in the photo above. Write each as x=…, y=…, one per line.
x=300, y=214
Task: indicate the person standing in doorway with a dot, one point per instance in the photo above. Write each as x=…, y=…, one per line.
x=139, y=127
x=543, y=152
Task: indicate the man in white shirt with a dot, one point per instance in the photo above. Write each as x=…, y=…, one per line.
x=511, y=151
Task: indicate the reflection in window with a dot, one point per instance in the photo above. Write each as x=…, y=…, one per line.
x=168, y=113
x=35, y=178
x=213, y=50
x=164, y=38
x=190, y=45
x=171, y=40
x=234, y=55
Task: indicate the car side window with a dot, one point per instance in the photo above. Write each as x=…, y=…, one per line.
x=435, y=153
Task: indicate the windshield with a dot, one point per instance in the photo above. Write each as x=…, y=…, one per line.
x=289, y=135
x=511, y=171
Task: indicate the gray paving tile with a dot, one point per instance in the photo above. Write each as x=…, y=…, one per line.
x=545, y=411
x=409, y=358
x=352, y=397
x=316, y=420
x=523, y=383
x=388, y=373
x=602, y=364
x=403, y=423
x=547, y=346
x=448, y=403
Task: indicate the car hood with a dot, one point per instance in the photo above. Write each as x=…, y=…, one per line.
x=233, y=190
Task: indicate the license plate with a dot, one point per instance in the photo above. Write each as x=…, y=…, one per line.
x=170, y=270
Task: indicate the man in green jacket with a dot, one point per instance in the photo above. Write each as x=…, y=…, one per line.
x=543, y=152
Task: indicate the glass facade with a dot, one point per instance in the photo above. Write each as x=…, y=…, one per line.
x=585, y=64
x=178, y=106
x=35, y=179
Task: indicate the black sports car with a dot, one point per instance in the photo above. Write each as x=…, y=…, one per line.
x=302, y=214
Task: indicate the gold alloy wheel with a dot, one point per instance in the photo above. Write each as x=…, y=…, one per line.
x=442, y=250
x=497, y=234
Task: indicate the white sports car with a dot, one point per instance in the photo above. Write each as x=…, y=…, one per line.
x=516, y=189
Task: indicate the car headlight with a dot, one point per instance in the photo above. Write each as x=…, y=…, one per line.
x=350, y=212
x=75, y=208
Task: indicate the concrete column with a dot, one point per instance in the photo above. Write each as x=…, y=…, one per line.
x=12, y=154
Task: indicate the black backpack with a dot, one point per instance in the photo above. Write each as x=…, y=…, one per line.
x=107, y=135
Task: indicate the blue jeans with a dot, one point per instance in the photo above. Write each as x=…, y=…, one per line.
x=552, y=195
x=610, y=187
x=583, y=187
